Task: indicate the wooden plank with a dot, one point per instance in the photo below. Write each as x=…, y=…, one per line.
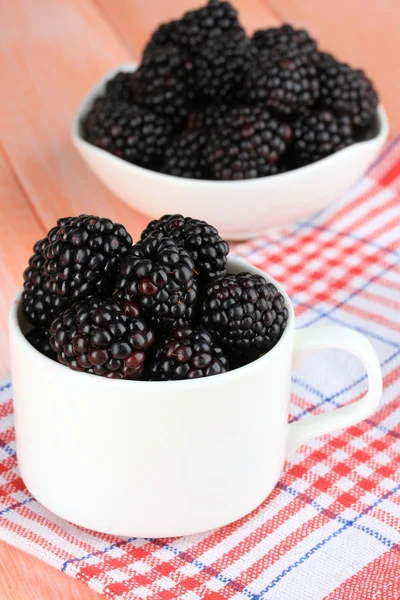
x=51, y=53
x=134, y=21
x=23, y=577
x=364, y=34
x=19, y=230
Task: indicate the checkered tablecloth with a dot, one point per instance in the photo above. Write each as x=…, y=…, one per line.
x=331, y=527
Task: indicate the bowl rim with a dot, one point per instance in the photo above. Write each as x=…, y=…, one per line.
x=80, y=142
x=237, y=264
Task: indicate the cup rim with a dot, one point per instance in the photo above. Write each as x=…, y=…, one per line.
x=238, y=265
x=86, y=103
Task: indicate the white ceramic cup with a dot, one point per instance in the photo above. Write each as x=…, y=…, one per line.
x=157, y=459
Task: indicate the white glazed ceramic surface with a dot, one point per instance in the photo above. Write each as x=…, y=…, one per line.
x=241, y=209
x=156, y=459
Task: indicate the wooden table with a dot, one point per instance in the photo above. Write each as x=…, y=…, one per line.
x=51, y=53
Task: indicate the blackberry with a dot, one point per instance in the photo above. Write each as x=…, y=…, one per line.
x=220, y=66
x=188, y=354
x=164, y=83
x=209, y=116
x=201, y=240
x=284, y=80
x=216, y=20
x=103, y=337
x=249, y=144
x=184, y=156
x=245, y=313
x=39, y=338
x=286, y=35
x=130, y=132
x=83, y=255
x=159, y=276
x=165, y=35
x=40, y=301
x=120, y=87
x=319, y=134
x=347, y=91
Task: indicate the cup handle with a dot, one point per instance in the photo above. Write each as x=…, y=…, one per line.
x=317, y=338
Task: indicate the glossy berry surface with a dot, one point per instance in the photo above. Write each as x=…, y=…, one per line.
x=347, y=91
x=128, y=131
x=283, y=80
x=286, y=35
x=39, y=338
x=83, y=255
x=188, y=354
x=163, y=83
x=184, y=156
x=245, y=313
x=319, y=134
x=103, y=337
x=202, y=241
x=250, y=143
x=159, y=275
x=40, y=302
x=120, y=87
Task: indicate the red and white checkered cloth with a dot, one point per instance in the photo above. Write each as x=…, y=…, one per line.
x=331, y=527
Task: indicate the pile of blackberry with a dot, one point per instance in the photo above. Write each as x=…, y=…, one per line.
x=175, y=113
x=163, y=308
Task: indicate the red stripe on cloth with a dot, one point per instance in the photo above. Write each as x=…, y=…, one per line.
x=267, y=528
x=379, y=580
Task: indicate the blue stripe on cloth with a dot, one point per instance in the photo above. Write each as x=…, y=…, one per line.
x=319, y=508
x=323, y=314
x=7, y=448
x=15, y=506
x=323, y=542
x=5, y=387
x=355, y=293
x=183, y=555
x=331, y=399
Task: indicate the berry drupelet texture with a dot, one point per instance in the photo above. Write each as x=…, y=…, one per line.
x=319, y=134
x=130, y=132
x=245, y=313
x=164, y=83
x=159, y=276
x=103, y=337
x=83, y=254
x=184, y=156
x=202, y=241
x=283, y=80
x=286, y=35
x=221, y=65
x=39, y=338
x=209, y=116
x=249, y=144
x=347, y=91
x=188, y=354
x=120, y=87
x=40, y=301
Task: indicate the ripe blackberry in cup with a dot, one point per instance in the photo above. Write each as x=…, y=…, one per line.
x=103, y=337
x=40, y=301
x=202, y=241
x=159, y=275
x=245, y=313
x=83, y=254
x=188, y=354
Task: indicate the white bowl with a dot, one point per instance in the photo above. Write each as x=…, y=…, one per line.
x=239, y=209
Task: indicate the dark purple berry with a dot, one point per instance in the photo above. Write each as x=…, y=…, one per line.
x=245, y=313
x=103, y=337
x=202, y=241
x=188, y=354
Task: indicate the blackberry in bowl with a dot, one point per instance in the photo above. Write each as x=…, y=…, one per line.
x=160, y=134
